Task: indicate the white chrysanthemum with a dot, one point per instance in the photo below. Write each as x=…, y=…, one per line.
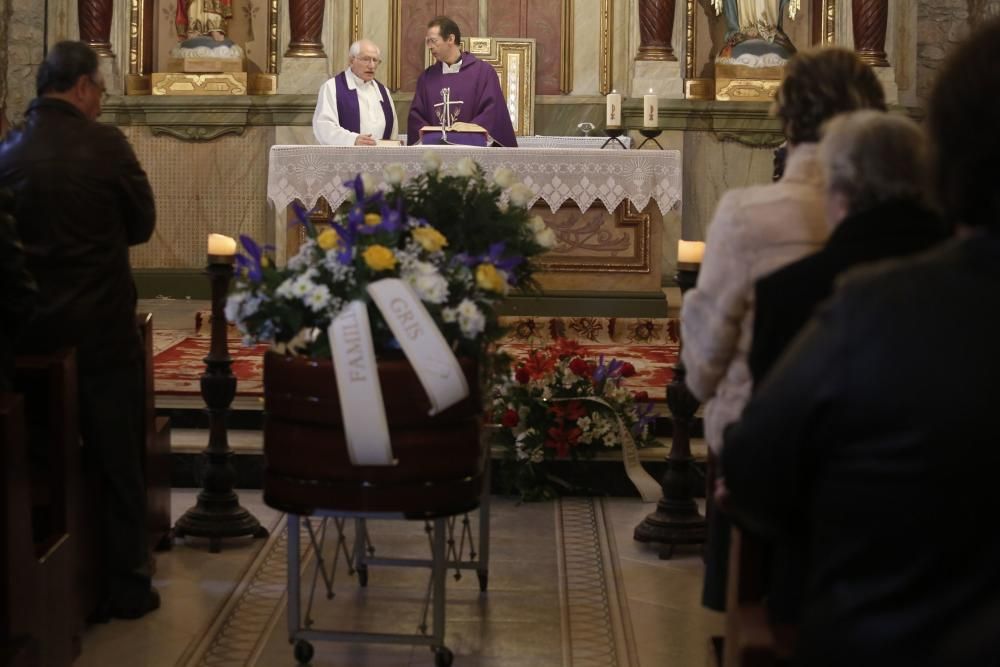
x=284, y=290
x=432, y=161
x=520, y=194
x=471, y=320
x=537, y=224
x=303, y=257
x=449, y=315
x=465, y=167
x=394, y=173
x=503, y=177
x=303, y=285
x=369, y=183
x=425, y=280
x=233, y=304
x=584, y=423
x=318, y=299
x=546, y=238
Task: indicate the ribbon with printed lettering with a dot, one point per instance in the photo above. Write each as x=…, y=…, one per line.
x=365, y=426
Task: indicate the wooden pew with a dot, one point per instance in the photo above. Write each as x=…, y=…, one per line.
x=750, y=639
x=64, y=586
x=20, y=629
x=157, y=452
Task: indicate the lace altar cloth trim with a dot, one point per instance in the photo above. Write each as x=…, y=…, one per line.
x=540, y=141
x=556, y=176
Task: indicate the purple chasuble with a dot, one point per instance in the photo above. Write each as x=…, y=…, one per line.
x=349, y=109
x=477, y=86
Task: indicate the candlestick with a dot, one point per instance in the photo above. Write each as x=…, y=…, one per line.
x=614, y=111
x=220, y=244
x=690, y=252
x=650, y=110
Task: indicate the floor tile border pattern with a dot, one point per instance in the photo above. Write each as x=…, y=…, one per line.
x=596, y=629
x=595, y=623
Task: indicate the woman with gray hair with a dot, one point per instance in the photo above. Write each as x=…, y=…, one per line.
x=876, y=169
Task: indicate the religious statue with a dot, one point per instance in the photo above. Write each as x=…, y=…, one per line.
x=201, y=29
x=754, y=34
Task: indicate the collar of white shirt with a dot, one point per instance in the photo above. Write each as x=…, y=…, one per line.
x=451, y=69
x=356, y=82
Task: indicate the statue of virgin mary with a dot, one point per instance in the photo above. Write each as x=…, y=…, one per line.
x=754, y=34
x=202, y=27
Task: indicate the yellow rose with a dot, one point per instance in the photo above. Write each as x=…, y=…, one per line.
x=328, y=239
x=379, y=258
x=373, y=219
x=265, y=262
x=429, y=238
x=488, y=277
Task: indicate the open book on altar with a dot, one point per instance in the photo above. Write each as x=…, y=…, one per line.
x=464, y=134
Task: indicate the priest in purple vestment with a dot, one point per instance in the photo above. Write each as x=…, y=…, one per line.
x=471, y=81
x=353, y=108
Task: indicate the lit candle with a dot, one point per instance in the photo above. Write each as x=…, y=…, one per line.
x=219, y=244
x=614, y=109
x=650, y=110
x=690, y=252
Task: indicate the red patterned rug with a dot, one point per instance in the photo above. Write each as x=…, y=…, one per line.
x=651, y=345
x=179, y=361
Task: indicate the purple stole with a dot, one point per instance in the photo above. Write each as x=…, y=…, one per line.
x=349, y=111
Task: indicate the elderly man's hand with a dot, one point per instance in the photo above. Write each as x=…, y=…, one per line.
x=364, y=140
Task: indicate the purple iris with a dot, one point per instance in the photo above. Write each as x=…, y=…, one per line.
x=644, y=413
x=495, y=257
x=603, y=371
x=251, y=263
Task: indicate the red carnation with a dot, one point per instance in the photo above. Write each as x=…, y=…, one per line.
x=510, y=418
x=521, y=375
x=628, y=370
x=641, y=396
x=580, y=367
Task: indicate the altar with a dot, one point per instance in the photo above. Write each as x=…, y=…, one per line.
x=606, y=207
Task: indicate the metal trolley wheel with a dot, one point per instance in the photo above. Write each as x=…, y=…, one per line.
x=304, y=652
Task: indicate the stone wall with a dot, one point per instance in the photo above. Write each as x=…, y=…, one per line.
x=941, y=24
x=24, y=24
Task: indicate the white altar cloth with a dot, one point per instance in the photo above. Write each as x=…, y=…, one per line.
x=555, y=176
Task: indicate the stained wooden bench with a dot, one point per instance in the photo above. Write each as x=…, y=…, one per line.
x=157, y=452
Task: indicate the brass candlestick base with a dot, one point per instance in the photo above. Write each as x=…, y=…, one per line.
x=677, y=519
x=614, y=134
x=651, y=133
x=218, y=513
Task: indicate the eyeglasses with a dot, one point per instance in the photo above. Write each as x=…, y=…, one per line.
x=369, y=60
x=101, y=87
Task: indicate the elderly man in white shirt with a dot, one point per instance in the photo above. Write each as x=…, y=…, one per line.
x=353, y=108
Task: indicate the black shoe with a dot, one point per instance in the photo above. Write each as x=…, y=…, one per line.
x=135, y=608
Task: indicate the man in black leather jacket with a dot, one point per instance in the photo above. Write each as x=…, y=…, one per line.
x=81, y=200
x=874, y=437
x=18, y=291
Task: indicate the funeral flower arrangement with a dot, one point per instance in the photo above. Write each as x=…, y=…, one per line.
x=559, y=404
x=459, y=238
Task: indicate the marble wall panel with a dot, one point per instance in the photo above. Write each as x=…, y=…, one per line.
x=711, y=167
x=540, y=19
x=201, y=187
x=25, y=37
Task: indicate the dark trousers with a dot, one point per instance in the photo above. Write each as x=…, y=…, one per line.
x=112, y=428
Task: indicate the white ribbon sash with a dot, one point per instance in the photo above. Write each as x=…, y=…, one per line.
x=362, y=409
x=424, y=346
x=643, y=482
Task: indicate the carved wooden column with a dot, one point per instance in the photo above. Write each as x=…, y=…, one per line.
x=870, y=22
x=656, y=27
x=306, y=22
x=95, y=24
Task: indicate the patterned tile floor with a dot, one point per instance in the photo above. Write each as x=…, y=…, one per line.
x=568, y=588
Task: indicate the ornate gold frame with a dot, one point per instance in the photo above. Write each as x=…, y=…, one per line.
x=607, y=45
x=395, y=36
x=566, y=49
x=638, y=262
x=357, y=10
x=829, y=21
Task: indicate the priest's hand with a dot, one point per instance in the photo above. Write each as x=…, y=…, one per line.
x=364, y=140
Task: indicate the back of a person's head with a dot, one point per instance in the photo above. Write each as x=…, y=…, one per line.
x=819, y=84
x=64, y=64
x=962, y=122
x=872, y=157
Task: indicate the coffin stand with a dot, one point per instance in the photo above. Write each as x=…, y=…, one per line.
x=440, y=474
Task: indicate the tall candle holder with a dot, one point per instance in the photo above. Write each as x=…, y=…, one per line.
x=677, y=519
x=614, y=134
x=218, y=513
